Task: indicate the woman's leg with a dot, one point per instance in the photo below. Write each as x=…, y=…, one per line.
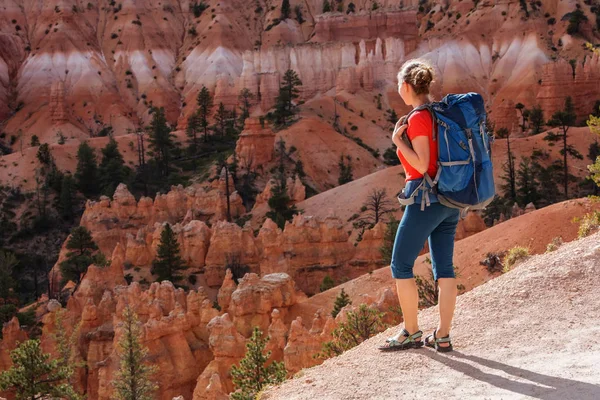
x=441, y=244
x=414, y=228
x=408, y=296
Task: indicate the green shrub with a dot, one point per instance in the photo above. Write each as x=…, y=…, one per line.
x=588, y=224
x=514, y=255
x=326, y=284
x=360, y=325
x=129, y=278
x=341, y=301
x=554, y=244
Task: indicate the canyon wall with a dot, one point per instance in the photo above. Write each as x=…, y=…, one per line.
x=77, y=69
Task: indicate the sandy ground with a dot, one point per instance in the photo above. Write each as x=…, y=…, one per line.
x=532, y=333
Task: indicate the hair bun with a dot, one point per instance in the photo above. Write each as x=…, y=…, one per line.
x=418, y=74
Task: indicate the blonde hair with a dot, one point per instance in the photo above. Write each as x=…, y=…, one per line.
x=418, y=74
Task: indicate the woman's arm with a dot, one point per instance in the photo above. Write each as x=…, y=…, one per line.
x=418, y=156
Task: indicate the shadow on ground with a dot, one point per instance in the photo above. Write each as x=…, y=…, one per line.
x=543, y=387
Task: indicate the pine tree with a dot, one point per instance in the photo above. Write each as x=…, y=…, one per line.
x=67, y=198
x=345, y=170
x=193, y=127
x=547, y=187
x=161, y=141
x=326, y=284
x=341, y=301
x=388, y=239
x=351, y=8
x=43, y=154
x=392, y=116
x=234, y=166
x=299, y=16
x=390, y=157
x=205, y=102
x=168, y=260
x=65, y=342
x=8, y=262
x=563, y=120
x=133, y=380
x=499, y=206
x=576, y=18
x=524, y=115
x=223, y=165
x=86, y=174
x=221, y=118
x=232, y=128
x=279, y=202
x=113, y=170
x=34, y=376
x=509, y=187
x=245, y=98
x=289, y=85
x=285, y=10
x=253, y=373
x=326, y=6
x=288, y=91
x=536, y=117
x=80, y=256
x=283, y=155
x=35, y=141
x=359, y=326
x=527, y=191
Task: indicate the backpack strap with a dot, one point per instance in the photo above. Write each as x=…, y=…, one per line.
x=426, y=186
x=428, y=107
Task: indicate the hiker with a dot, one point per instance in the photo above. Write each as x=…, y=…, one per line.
x=425, y=218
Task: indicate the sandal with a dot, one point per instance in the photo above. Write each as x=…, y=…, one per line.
x=433, y=342
x=410, y=342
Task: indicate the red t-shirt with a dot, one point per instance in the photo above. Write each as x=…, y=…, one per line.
x=420, y=124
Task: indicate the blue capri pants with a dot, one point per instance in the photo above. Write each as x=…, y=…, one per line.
x=438, y=223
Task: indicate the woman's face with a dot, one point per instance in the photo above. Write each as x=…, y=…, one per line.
x=404, y=92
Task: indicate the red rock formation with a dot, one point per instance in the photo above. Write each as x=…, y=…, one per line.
x=581, y=81
x=303, y=345
x=338, y=27
x=229, y=245
x=368, y=251
x=193, y=237
x=228, y=347
x=255, y=298
x=255, y=146
x=296, y=191
x=308, y=250
x=11, y=335
x=226, y=290
x=214, y=390
x=277, y=336
x=111, y=221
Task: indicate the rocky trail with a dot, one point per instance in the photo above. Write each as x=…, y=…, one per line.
x=531, y=333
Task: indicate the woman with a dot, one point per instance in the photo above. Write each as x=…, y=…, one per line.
x=436, y=221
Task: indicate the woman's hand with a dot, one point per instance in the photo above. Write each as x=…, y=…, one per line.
x=398, y=131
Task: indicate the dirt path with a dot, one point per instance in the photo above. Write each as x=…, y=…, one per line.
x=532, y=333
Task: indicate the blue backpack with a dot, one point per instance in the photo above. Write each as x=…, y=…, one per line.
x=465, y=178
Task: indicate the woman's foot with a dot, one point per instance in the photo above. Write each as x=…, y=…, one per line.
x=403, y=341
x=439, y=343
